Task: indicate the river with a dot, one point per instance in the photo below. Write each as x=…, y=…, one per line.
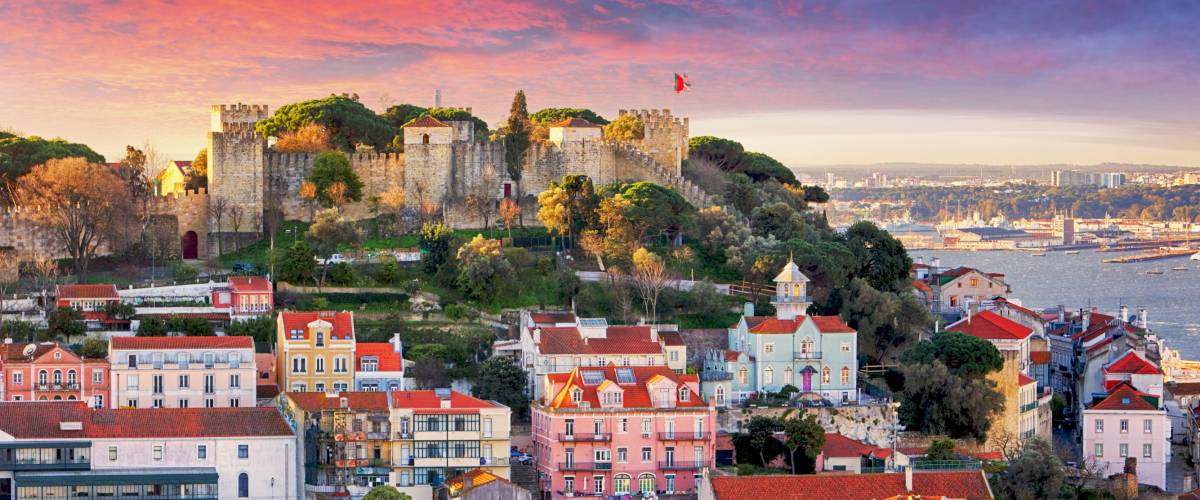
x=1172, y=299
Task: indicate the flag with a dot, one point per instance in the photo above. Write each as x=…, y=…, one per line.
x=681, y=82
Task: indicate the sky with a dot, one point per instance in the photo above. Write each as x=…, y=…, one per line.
x=810, y=83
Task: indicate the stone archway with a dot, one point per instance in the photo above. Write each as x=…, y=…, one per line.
x=189, y=245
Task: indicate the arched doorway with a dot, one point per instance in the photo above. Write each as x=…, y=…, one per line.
x=189, y=245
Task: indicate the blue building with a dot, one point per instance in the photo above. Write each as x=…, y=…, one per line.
x=816, y=354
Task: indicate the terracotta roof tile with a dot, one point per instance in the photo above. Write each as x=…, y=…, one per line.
x=426, y=121
x=837, y=445
x=988, y=325
x=775, y=325
x=634, y=395
x=182, y=342
x=575, y=122
x=41, y=420
x=1023, y=379
x=552, y=318
x=831, y=324
x=86, y=292
x=673, y=339
x=619, y=340
x=1125, y=397
x=249, y=284
x=477, y=477
x=315, y=401
x=343, y=322
x=389, y=359
x=1132, y=363
x=954, y=484
x=429, y=400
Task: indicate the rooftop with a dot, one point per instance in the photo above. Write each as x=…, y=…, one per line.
x=426, y=121
x=988, y=325
x=342, y=321
x=108, y=292
x=1125, y=397
x=1132, y=363
x=46, y=419
x=389, y=359
x=971, y=485
x=190, y=342
x=575, y=122
x=618, y=340
x=839, y=446
x=245, y=284
x=429, y=400
x=632, y=380
x=362, y=401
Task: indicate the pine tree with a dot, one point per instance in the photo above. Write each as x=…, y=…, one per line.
x=516, y=136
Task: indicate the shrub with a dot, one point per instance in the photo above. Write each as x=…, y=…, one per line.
x=455, y=312
x=184, y=272
x=342, y=274
x=388, y=273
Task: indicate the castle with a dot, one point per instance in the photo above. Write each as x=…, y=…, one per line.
x=442, y=163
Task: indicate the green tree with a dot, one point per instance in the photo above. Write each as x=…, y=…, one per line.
x=882, y=260
x=516, y=136
x=778, y=219
x=19, y=330
x=627, y=127
x=332, y=168
x=460, y=115
x=435, y=245
x=19, y=154
x=152, y=327
x=654, y=209
x=349, y=122
x=761, y=167
x=761, y=433
x=1037, y=473
x=64, y=323
x=397, y=116
x=725, y=154
x=261, y=328
x=936, y=401
x=550, y=116
x=93, y=347
x=194, y=327
x=941, y=450
x=429, y=351
x=570, y=206
x=430, y=373
x=886, y=322
x=328, y=232
x=297, y=263
x=500, y=379
x=804, y=436
x=388, y=272
x=482, y=268
x=197, y=176
x=118, y=310
x=386, y=492
x=962, y=354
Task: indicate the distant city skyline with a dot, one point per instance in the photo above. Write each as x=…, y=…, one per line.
x=812, y=84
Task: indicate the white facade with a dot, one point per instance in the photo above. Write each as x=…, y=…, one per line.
x=269, y=462
x=1109, y=436
x=183, y=378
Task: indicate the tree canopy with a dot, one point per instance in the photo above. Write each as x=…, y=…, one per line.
x=626, y=127
x=515, y=134
x=19, y=154
x=962, y=354
x=936, y=401
x=762, y=167
x=500, y=379
x=332, y=169
x=550, y=116
x=348, y=121
x=1036, y=473
x=459, y=115
x=726, y=154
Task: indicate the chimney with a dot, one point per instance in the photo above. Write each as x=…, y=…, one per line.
x=8, y=340
x=1062, y=313
x=397, y=345
x=653, y=333
x=537, y=335
x=908, y=487
x=443, y=396
x=344, y=403
x=748, y=309
x=1087, y=319
x=1124, y=313
x=934, y=265
x=1145, y=325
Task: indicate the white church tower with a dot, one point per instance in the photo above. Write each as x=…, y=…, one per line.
x=791, y=292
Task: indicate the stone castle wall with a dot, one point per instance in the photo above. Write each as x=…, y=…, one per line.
x=21, y=234
x=190, y=211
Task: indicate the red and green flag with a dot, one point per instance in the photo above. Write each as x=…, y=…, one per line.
x=681, y=83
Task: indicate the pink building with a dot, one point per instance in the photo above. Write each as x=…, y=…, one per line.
x=245, y=296
x=612, y=430
x=51, y=372
x=1129, y=423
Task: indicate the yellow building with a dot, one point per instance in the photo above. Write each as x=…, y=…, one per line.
x=315, y=351
x=173, y=179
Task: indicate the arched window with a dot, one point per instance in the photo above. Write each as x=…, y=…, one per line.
x=768, y=375
x=57, y=376
x=825, y=375
x=243, y=485
x=742, y=375
x=720, y=395
x=576, y=394
x=58, y=398
x=787, y=375
x=646, y=482
x=424, y=138
x=71, y=378
x=806, y=346
x=42, y=377
x=845, y=375
x=621, y=484
x=71, y=398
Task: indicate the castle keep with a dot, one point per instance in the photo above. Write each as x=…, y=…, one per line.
x=442, y=163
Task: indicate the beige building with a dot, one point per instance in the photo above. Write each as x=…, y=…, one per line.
x=962, y=288
x=441, y=434
x=315, y=351
x=182, y=372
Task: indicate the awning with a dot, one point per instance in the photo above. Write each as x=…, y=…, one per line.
x=205, y=475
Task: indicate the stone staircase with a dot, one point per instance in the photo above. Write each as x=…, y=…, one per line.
x=525, y=476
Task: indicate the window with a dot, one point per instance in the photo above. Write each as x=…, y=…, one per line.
x=320, y=338
x=806, y=346
x=1147, y=450
x=243, y=485
x=684, y=394
x=845, y=347
x=598, y=426
x=787, y=375
x=825, y=375
x=97, y=377
x=598, y=484
x=158, y=452
x=42, y=380
x=621, y=484
x=623, y=425
x=646, y=454
x=1124, y=450
x=112, y=453
x=769, y=347
x=1099, y=426
x=646, y=426
x=568, y=484
x=576, y=394
x=1124, y=426
x=768, y=375
x=209, y=403
x=158, y=403
x=235, y=381
x=622, y=455
x=742, y=375
x=320, y=387
x=182, y=360
x=132, y=360
x=183, y=381
x=210, y=384
x=646, y=482
x=132, y=403
x=183, y=403
x=974, y=281
x=201, y=452
x=99, y=401
x=487, y=427
x=243, y=451
x=234, y=403
x=209, y=359
x=602, y=455
x=158, y=384
x=670, y=482
x=299, y=364
x=845, y=375
x=1147, y=426
x=17, y=378
x=320, y=364
x=340, y=364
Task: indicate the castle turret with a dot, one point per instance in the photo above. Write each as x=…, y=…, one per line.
x=665, y=139
x=791, y=292
x=236, y=169
x=573, y=129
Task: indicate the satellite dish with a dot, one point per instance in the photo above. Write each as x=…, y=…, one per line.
x=28, y=350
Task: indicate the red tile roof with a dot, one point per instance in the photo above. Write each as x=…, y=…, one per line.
x=316, y=401
x=1004, y=302
x=619, y=340
x=731, y=355
x=477, y=477
x=264, y=362
x=922, y=286
x=15, y=352
x=954, y=484
x=776, y=325
x=839, y=446
x=389, y=359
x=182, y=343
x=831, y=324
x=426, y=121
x=343, y=322
x=824, y=324
x=1125, y=397
x=1039, y=357
x=575, y=122
x=635, y=395
x=1134, y=364
x=246, y=284
x=419, y=400
x=988, y=325
x=671, y=338
x=1023, y=379
x=108, y=292
x=552, y=318
x=41, y=420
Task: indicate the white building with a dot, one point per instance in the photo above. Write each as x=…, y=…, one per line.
x=67, y=450
x=182, y=372
x=1129, y=423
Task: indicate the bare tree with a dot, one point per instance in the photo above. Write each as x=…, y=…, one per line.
x=392, y=202
x=510, y=212
x=10, y=264
x=236, y=216
x=623, y=292
x=162, y=240
x=649, y=277
x=217, y=208
x=1087, y=471
x=45, y=275
x=486, y=192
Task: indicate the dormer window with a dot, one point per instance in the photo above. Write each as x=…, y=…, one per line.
x=576, y=395
x=684, y=394
x=320, y=338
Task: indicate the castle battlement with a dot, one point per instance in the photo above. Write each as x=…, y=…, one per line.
x=656, y=118
x=226, y=115
x=238, y=131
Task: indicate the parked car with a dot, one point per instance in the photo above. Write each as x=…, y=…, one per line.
x=336, y=258
x=243, y=268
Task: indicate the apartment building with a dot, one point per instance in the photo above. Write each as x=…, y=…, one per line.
x=379, y=366
x=182, y=372
x=441, y=434
x=345, y=440
x=47, y=371
x=315, y=351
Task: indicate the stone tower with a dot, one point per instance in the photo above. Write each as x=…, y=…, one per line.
x=666, y=139
x=236, y=160
x=791, y=298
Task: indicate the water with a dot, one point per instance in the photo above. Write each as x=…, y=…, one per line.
x=1172, y=299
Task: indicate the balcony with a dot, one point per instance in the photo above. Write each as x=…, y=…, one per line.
x=807, y=355
x=46, y=464
x=712, y=376
x=58, y=387
x=585, y=438
x=684, y=436
x=1029, y=407
x=791, y=299
x=404, y=435
x=585, y=466
x=682, y=465
x=377, y=436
